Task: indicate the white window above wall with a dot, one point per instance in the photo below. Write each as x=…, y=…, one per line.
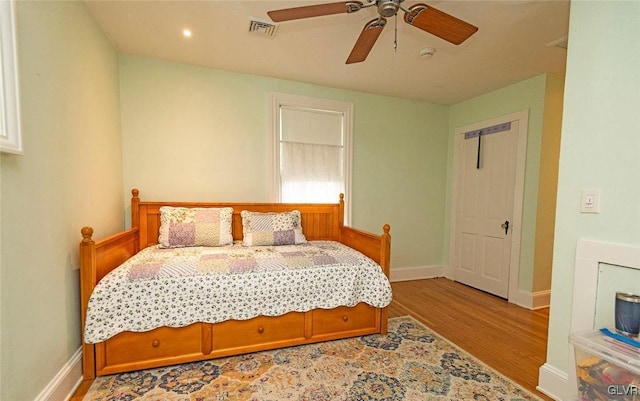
x=311, y=150
x=10, y=139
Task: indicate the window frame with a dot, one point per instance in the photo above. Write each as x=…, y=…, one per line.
x=278, y=100
x=10, y=132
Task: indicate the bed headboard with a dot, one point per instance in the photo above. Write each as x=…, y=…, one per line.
x=319, y=221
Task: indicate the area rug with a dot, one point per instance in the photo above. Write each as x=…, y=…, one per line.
x=410, y=363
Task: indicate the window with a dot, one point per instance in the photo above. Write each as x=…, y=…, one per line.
x=10, y=140
x=311, y=150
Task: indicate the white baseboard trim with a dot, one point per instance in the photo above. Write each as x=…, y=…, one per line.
x=531, y=300
x=416, y=273
x=65, y=382
x=521, y=298
x=554, y=383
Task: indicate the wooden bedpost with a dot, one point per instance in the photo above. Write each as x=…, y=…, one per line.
x=385, y=250
x=135, y=214
x=341, y=212
x=135, y=208
x=87, y=282
x=385, y=263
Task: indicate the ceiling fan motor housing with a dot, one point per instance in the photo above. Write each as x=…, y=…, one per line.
x=388, y=8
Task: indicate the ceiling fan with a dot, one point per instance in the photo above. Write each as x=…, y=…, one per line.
x=420, y=15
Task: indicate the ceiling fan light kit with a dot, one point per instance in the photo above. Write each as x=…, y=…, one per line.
x=419, y=15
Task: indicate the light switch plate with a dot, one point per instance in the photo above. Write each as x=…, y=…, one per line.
x=590, y=202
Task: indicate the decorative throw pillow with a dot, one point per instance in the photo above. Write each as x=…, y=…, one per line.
x=272, y=228
x=181, y=227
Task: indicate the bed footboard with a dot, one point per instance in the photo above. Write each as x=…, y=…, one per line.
x=378, y=248
x=97, y=258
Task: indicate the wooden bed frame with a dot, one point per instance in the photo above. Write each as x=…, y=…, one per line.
x=165, y=346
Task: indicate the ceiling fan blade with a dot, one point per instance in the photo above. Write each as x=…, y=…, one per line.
x=288, y=14
x=366, y=40
x=439, y=23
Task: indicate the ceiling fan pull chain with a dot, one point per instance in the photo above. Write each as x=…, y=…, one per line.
x=395, y=38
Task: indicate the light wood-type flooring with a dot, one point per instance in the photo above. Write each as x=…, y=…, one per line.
x=506, y=337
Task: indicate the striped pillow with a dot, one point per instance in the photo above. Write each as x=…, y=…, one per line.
x=271, y=228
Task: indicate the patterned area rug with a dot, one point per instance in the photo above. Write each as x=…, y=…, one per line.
x=410, y=363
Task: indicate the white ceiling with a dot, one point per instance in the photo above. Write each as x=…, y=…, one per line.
x=510, y=45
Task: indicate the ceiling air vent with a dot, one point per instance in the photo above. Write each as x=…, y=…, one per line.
x=262, y=28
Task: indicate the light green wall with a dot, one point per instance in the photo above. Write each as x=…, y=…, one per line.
x=526, y=95
x=400, y=175
x=193, y=133
x=70, y=175
x=600, y=147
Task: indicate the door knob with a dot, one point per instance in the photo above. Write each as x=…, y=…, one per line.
x=505, y=225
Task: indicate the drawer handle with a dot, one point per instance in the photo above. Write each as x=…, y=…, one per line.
x=260, y=329
x=155, y=343
x=345, y=318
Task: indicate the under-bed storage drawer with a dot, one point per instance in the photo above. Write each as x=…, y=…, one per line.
x=155, y=347
x=360, y=319
x=259, y=331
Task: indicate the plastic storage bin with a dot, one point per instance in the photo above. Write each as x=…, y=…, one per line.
x=607, y=369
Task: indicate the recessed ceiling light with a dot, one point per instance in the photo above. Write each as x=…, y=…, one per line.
x=186, y=33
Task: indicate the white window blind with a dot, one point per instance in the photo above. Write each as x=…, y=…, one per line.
x=312, y=149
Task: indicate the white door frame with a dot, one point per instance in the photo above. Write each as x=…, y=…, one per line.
x=514, y=260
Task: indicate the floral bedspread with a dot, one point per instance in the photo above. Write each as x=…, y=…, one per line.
x=178, y=287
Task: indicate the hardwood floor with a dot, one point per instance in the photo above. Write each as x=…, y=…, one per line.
x=508, y=338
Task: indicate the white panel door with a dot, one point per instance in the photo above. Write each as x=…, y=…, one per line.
x=484, y=212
